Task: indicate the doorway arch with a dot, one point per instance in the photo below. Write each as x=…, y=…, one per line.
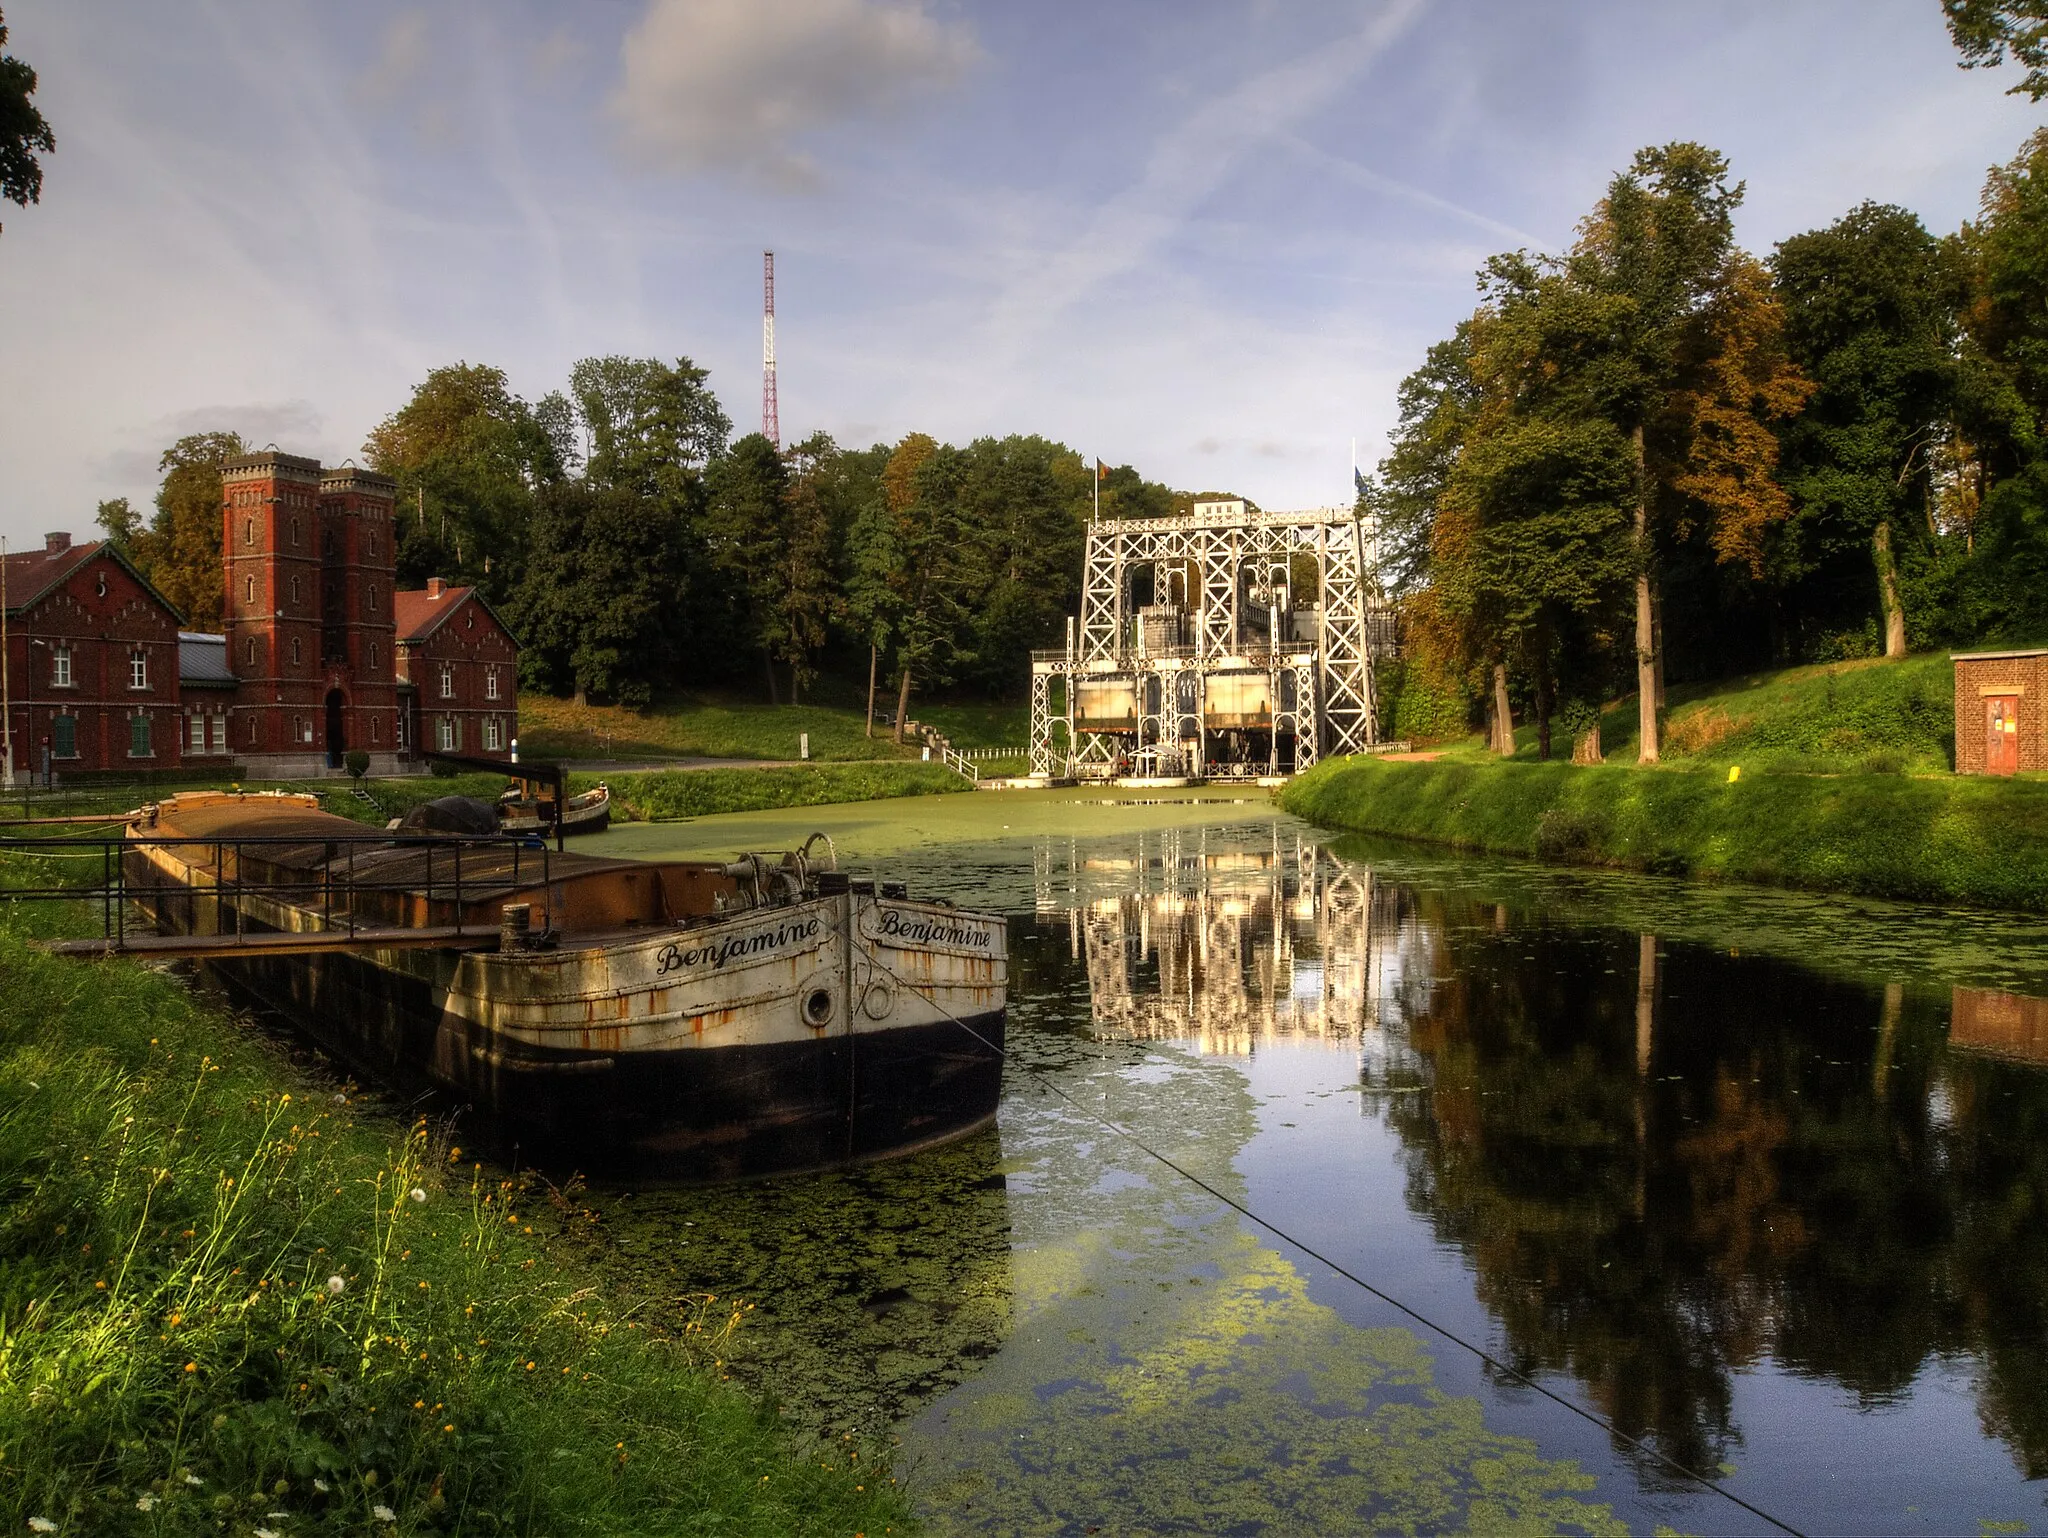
x=337, y=743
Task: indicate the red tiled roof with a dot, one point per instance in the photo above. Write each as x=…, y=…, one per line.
x=33, y=573
x=420, y=615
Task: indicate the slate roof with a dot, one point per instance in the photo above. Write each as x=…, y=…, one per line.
x=203, y=660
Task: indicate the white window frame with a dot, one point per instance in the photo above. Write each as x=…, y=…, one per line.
x=444, y=735
x=220, y=732
x=491, y=681
x=138, y=669
x=447, y=680
x=60, y=667
x=198, y=734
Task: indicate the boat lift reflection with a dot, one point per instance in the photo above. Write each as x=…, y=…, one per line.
x=1226, y=938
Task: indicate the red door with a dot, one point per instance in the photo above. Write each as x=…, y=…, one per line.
x=2001, y=734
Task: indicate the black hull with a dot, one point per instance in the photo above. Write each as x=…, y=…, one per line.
x=693, y=1115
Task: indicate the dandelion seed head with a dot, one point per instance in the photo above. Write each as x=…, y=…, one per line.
x=334, y=1286
x=419, y=1194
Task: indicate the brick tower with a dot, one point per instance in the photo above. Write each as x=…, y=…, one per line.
x=270, y=547
x=358, y=570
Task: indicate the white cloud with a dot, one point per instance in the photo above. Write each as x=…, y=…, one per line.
x=739, y=84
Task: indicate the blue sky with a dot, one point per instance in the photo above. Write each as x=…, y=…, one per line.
x=1205, y=237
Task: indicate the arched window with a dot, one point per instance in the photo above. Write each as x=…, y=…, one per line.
x=295, y=588
x=252, y=651
x=249, y=591
x=295, y=531
x=295, y=651
x=248, y=531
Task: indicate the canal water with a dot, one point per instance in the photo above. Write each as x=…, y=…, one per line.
x=1756, y=1181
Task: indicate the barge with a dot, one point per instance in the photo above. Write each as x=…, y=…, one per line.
x=682, y=1020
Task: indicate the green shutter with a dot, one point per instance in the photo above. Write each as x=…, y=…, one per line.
x=64, y=737
x=138, y=736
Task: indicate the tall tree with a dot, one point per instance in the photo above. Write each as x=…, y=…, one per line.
x=1871, y=309
x=24, y=133
x=1661, y=244
x=468, y=456
x=1986, y=30
x=121, y=522
x=607, y=579
x=180, y=550
x=746, y=520
x=652, y=427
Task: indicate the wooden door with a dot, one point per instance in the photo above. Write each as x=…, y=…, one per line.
x=2001, y=734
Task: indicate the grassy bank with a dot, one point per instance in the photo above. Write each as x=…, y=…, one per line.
x=230, y=1303
x=664, y=795
x=692, y=726
x=1935, y=839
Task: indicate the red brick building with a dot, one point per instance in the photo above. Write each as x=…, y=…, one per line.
x=320, y=654
x=457, y=672
x=92, y=663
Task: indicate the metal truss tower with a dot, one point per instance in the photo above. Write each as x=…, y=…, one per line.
x=1253, y=656
x=771, y=426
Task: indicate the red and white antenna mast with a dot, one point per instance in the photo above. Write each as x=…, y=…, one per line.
x=771, y=428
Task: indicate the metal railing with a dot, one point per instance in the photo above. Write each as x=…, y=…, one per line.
x=331, y=888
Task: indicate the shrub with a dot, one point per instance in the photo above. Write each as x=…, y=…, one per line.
x=357, y=762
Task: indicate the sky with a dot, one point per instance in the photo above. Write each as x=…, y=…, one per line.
x=1204, y=237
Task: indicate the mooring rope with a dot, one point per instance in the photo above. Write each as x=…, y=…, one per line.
x=1648, y=1449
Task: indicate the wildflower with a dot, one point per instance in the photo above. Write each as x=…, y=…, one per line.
x=334, y=1286
x=264, y=1532
x=192, y=1367
x=454, y=1154
x=322, y=1486
x=419, y=1194
x=383, y=1513
x=41, y=1525
x=145, y=1503
x=194, y=1479
x=286, y=1101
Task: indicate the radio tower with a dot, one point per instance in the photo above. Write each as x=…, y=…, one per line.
x=771, y=429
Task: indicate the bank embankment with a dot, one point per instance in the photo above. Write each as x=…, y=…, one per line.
x=237, y=1298
x=1927, y=839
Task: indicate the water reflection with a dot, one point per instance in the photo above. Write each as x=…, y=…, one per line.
x=1666, y=1165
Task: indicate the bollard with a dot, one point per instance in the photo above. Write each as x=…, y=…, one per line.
x=515, y=927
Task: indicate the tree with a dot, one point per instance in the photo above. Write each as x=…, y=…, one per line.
x=652, y=427
x=746, y=523
x=608, y=575
x=180, y=550
x=468, y=456
x=1693, y=349
x=24, y=133
x=1985, y=30
x=120, y=521
x=906, y=549
x=1870, y=305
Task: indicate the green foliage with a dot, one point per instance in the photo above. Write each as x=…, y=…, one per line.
x=668, y=794
x=180, y=550
x=468, y=455
x=697, y=726
x=1984, y=31
x=230, y=1292
x=1419, y=705
x=609, y=577
x=1939, y=839
x=357, y=762
x=119, y=521
x=24, y=132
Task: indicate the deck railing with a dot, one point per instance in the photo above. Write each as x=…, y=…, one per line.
x=331, y=888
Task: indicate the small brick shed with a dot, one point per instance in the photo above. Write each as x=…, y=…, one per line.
x=2001, y=697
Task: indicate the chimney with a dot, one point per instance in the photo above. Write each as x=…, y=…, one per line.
x=56, y=544
x=434, y=586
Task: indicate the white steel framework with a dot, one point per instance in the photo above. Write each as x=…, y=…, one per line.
x=1254, y=655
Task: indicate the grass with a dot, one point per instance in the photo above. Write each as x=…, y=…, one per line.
x=1930, y=839
x=694, y=726
x=665, y=795
x=233, y=1300
x=1868, y=716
